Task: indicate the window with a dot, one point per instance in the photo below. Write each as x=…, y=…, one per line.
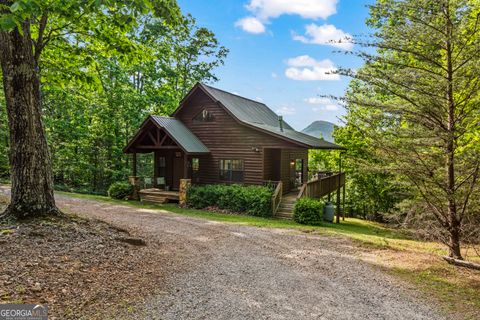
x=204, y=116
x=195, y=170
x=195, y=164
x=162, y=163
x=231, y=170
x=161, y=166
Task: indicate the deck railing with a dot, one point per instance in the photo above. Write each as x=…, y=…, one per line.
x=277, y=197
x=322, y=186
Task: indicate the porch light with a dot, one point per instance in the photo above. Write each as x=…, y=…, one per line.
x=292, y=163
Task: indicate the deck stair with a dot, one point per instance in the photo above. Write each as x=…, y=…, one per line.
x=287, y=205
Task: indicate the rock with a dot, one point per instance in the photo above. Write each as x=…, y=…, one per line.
x=37, y=287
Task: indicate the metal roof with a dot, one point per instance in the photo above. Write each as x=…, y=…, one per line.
x=299, y=137
x=181, y=134
x=260, y=116
x=246, y=110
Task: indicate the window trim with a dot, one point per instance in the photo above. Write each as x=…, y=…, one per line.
x=209, y=118
x=227, y=175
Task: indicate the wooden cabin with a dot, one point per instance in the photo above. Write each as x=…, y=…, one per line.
x=219, y=137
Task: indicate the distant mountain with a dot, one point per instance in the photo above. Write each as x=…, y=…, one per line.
x=319, y=129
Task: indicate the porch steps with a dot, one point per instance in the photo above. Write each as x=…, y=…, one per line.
x=156, y=196
x=285, y=211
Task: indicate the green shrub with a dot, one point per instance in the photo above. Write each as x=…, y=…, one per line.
x=120, y=190
x=253, y=200
x=308, y=211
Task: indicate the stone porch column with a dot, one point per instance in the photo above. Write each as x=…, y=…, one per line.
x=135, y=182
x=182, y=195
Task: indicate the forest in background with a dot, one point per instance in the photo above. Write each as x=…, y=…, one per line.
x=412, y=127
x=93, y=102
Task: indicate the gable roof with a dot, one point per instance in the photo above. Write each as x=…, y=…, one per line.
x=176, y=130
x=259, y=116
x=246, y=110
x=181, y=135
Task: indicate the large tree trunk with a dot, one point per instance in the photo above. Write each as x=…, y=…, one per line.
x=31, y=171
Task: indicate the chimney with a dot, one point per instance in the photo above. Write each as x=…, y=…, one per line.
x=280, y=122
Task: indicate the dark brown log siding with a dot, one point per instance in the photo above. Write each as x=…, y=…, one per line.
x=228, y=139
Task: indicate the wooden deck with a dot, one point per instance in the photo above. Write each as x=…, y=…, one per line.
x=157, y=196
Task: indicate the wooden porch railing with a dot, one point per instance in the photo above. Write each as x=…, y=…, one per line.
x=320, y=187
x=277, y=197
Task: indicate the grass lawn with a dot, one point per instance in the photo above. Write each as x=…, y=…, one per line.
x=419, y=263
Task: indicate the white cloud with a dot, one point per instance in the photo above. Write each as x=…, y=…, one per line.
x=326, y=104
x=326, y=34
x=306, y=68
x=251, y=25
x=274, y=75
x=328, y=107
x=311, y=9
x=264, y=10
x=318, y=100
x=331, y=107
x=286, y=111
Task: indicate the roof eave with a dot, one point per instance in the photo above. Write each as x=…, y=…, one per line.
x=150, y=117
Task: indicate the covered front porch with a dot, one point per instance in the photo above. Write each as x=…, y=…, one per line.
x=175, y=154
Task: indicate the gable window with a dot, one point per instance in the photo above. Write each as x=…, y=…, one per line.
x=204, y=116
x=231, y=170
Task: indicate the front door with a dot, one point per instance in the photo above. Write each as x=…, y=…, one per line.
x=177, y=169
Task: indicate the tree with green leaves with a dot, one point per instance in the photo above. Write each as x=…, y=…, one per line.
x=105, y=98
x=417, y=100
x=27, y=27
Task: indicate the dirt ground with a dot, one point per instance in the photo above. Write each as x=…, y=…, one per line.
x=224, y=271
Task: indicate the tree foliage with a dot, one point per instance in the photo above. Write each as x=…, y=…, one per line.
x=416, y=104
x=104, y=67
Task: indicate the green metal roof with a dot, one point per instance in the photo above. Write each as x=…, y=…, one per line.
x=259, y=116
x=246, y=110
x=181, y=134
x=299, y=137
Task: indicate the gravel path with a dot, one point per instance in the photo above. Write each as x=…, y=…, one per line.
x=227, y=271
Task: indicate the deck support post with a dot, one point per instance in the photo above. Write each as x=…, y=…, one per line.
x=339, y=208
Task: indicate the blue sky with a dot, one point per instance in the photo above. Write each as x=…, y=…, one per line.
x=280, y=51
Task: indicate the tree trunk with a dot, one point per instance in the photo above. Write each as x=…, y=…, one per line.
x=454, y=222
x=31, y=172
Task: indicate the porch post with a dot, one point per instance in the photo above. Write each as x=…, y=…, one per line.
x=339, y=208
x=134, y=164
x=182, y=194
x=185, y=166
x=155, y=169
x=134, y=180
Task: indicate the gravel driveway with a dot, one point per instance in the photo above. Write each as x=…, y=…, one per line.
x=227, y=271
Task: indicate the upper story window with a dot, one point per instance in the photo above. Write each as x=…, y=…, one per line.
x=204, y=116
x=232, y=170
